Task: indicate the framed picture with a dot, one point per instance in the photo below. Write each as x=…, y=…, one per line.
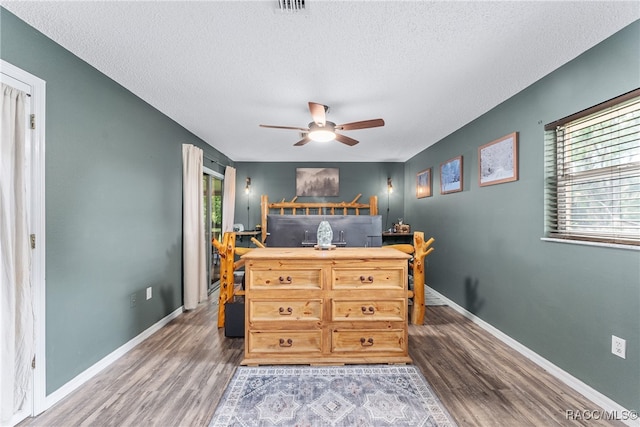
x=451, y=176
x=498, y=161
x=423, y=184
x=317, y=182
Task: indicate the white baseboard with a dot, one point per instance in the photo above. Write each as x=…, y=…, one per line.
x=599, y=399
x=92, y=371
x=18, y=417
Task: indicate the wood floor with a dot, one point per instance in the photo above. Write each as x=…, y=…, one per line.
x=177, y=376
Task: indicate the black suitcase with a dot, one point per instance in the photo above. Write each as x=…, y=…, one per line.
x=234, y=319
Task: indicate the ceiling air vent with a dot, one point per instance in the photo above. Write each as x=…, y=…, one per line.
x=291, y=5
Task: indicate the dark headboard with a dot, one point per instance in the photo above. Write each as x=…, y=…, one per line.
x=300, y=230
x=313, y=208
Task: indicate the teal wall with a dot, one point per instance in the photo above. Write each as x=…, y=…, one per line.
x=278, y=181
x=113, y=205
x=563, y=301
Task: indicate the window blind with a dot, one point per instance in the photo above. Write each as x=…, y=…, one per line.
x=592, y=173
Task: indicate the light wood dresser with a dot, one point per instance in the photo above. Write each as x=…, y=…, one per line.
x=340, y=306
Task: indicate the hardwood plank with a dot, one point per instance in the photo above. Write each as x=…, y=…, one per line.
x=177, y=376
x=483, y=382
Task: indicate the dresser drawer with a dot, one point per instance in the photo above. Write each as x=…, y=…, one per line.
x=284, y=341
x=260, y=279
x=368, y=340
x=363, y=278
x=369, y=310
x=284, y=310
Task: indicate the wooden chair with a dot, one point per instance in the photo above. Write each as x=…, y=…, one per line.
x=420, y=249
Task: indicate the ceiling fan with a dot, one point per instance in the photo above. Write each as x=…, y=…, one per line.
x=322, y=130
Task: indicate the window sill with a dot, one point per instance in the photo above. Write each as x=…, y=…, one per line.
x=587, y=243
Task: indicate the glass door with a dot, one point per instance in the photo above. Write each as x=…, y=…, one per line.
x=212, y=203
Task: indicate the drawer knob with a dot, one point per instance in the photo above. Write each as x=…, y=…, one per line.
x=285, y=312
x=368, y=311
x=366, y=342
x=287, y=343
x=366, y=279
x=285, y=281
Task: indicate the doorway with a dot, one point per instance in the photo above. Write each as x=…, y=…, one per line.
x=212, y=185
x=34, y=158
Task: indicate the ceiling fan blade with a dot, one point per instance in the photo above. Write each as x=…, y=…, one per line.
x=346, y=140
x=361, y=125
x=285, y=127
x=302, y=141
x=318, y=113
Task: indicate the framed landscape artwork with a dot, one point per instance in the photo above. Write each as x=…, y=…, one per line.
x=423, y=184
x=317, y=182
x=498, y=161
x=451, y=176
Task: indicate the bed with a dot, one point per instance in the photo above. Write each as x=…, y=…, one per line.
x=298, y=217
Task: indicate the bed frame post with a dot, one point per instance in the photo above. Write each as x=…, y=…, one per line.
x=226, y=250
x=264, y=210
x=422, y=249
x=373, y=205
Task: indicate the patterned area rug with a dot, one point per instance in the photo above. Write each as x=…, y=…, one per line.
x=362, y=395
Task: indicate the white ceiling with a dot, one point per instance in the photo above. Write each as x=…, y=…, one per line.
x=221, y=68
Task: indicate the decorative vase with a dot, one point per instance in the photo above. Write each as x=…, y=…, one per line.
x=325, y=234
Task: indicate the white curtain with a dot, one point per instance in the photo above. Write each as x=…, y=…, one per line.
x=16, y=310
x=229, y=199
x=193, y=245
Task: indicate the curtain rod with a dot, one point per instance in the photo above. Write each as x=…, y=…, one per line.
x=216, y=161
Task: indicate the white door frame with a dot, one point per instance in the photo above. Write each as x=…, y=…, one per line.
x=37, y=225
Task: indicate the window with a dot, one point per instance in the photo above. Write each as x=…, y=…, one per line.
x=592, y=173
x=212, y=183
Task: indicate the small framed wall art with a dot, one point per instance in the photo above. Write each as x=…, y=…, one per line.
x=451, y=176
x=423, y=184
x=498, y=161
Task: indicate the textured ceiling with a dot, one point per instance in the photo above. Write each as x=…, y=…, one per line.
x=220, y=68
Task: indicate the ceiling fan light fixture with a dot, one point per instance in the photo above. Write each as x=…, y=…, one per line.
x=322, y=133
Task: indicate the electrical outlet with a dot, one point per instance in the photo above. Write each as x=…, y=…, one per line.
x=619, y=346
x=149, y=293
x=132, y=300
